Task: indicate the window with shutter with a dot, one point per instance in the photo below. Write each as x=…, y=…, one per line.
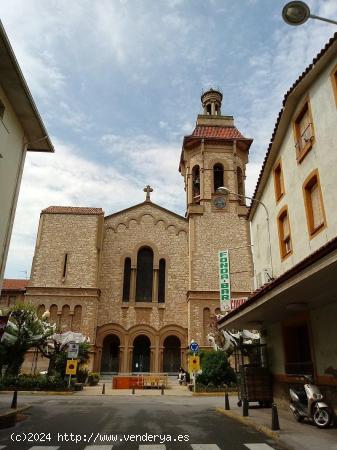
x=314, y=204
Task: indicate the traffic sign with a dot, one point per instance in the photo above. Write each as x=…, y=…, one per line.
x=71, y=367
x=194, y=346
x=194, y=363
x=73, y=350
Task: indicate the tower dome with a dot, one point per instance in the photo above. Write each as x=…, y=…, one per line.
x=211, y=102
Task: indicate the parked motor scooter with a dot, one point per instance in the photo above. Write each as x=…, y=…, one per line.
x=307, y=402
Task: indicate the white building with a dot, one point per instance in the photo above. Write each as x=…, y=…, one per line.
x=295, y=251
x=21, y=130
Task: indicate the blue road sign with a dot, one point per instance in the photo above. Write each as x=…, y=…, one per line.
x=194, y=347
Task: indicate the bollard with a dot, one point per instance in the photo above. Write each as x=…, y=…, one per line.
x=133, y=390
x=275, y=425
x=245, y=406
x=103, y=388
x=162, y=389
x=227, y=408
x=15, y=399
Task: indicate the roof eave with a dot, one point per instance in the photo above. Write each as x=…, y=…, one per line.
x=290, y=100
x=22, y=102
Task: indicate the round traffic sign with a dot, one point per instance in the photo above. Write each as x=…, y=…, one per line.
x=194, y=347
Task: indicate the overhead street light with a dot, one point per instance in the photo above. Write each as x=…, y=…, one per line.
x=225, y=191
x=297, y=13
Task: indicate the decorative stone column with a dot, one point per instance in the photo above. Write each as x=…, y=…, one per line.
x=155, y=286
x=133, y=285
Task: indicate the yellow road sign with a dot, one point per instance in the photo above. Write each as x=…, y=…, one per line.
x=71, y=367
x=194, y=363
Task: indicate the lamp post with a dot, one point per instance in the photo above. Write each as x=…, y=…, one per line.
x=297, y=13
x=225, y=191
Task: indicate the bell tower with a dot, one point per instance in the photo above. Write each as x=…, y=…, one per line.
x=213, y=156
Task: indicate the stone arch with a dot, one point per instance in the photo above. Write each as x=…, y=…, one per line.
x=171, y=354
x=110, y=361
x=145, y=215
x=142, y=354
x=171, y=229
x=153, y=247
x=77, y=319
x=65, y=322
x=210, y=168
x=102, y=333
x=110, y=328
x=181, y=334
x=53, y=313
x=162, y=220
x=40, y=310
x=121, y=227
x=182, y=233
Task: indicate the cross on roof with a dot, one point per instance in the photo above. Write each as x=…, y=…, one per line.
x=148, y=189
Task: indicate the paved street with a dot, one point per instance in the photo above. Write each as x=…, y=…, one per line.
x=98, y=422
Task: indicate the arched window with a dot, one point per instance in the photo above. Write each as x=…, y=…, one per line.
x=218, y=176
x=144, y=275
x=161, y=281
x=241, y=190
x=126, y=281
x=196, y=184
x=77, y=318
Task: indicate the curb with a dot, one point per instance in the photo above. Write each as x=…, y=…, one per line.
x=212, y=394
x=17, y=410
x=250, y=423
x=39, y=392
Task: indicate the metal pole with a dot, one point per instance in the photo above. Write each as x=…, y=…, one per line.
x=275, y=424
x=268, y=228
x=227, y=408
x=15, y=399
x=323, y=19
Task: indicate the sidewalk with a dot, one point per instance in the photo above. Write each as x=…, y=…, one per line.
x=293, y=435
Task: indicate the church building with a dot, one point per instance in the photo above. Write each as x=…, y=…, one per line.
x=143, y=282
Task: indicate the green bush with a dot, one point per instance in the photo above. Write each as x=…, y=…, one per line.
x=82, y=375
x=33, y=382
x=93, y=378
x=216, y=370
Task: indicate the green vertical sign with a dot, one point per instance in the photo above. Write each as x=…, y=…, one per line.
x=224, y=280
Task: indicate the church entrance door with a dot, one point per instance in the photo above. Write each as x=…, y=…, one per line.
x=141, y=354
x=110, y=354
x=172, y=361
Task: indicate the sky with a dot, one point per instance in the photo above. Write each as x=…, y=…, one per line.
x=118, y=84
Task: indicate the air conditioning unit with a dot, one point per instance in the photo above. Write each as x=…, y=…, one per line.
x=261, y=278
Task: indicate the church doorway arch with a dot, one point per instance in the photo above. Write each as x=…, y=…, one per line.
x=141, y=354
x=110, y=354
x=172, y=354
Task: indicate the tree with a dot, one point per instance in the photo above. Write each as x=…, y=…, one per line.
x=216, y=369
x=55, y=349
x=24, y=330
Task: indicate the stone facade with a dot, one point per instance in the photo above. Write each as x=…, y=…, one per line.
x=87, y=270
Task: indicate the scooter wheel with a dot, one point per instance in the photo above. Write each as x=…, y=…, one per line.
x=322, y=417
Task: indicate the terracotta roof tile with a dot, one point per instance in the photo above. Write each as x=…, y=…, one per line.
x=72, y=210
x=285, y=98
x=15, y=284
x=217, y=132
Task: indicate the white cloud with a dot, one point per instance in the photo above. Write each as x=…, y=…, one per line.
x=65, y=178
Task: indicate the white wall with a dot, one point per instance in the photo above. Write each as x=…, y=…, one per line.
x=11, y=164
x=322, y=156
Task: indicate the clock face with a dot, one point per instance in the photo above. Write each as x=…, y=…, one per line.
x=219, y=202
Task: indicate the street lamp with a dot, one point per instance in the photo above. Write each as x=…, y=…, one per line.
x=297, y=13
x=225, y=191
